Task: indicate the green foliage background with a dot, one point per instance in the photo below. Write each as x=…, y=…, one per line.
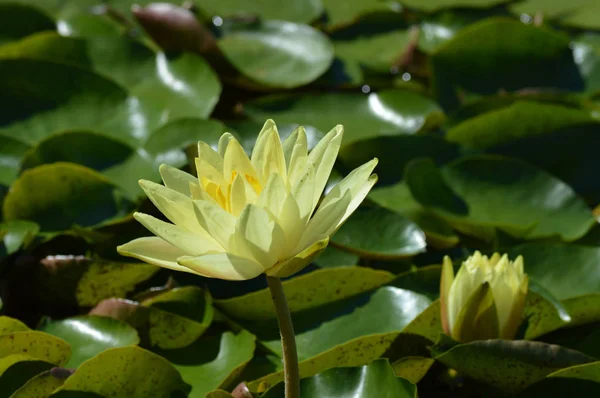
x=484, y=115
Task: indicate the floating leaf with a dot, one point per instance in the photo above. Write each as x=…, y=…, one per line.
x=380, y=234
x=388, y=112
x=44, y=384
x=277, y=53
x=9, y=325
x=17, y=369
x=433, y=5
x=13, y=16
x=12, y=152
x=17, y=233
x=303, y=11
x=412, y=368
x=39, y=345
x=306, y=291
x=90, y=335
x=508, y=365
x=213, y=362
x=576, y=381
x=130, y=371
x=60, y=195
x=374, y=379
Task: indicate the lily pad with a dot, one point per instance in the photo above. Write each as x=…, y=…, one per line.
x=212, y=362
x=576, y=381
x=12, y=152
x=21, y=20
x=508, y=365
x=17, y=233
x=340, y=14
x=303, y=11
x=89, y=336
x=277, y=53
x=132, y=371
x=433, y=5
x=60, y=195
x=380, y=234
x=306, y=291
x=17, y=369
x=505, y=55
x=39, y=345
x=374, y=379
x=44, y=384
x=388, y=112
x=506, y=194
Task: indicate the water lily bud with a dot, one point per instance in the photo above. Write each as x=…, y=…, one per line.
x=241, y=217
x=485, y=299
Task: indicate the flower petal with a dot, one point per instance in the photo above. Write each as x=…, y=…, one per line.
x=222, y=266
x=176, y=206
x=210, y=156
x=296, y=155
x=304, y=190
x=267, y=156
x=237, y=161
x=223, y=142
x=176, y=179
x=291, y=222
x=295, y=264
x=323, y=157
x=190, y=243
x=259, y=236
x=217, y=222
x=445, y=283
x=516, y=313
x=237, y=195
x=477, y=319
x=273, y=195
x=154, y=250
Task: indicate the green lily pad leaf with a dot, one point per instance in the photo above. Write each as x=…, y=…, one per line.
x=302, y=11
x=508, y=365
x=17, y=369
x=306, y=291
x=388, y=112
x=374, y=52
x=44, y=384
x=583, y=338
x=212, y=362
x=499, y=127
x=510, y=195
x=434, y=5
x=17, y=233
x=90, y=335
x=378, y=233
x=398, y=198
x=277, y=53
x=576, y=381
x=60, y=195
x=9, y=325
x=48, y=46
x=543, y=312
x=375, y=379
x=584, y=17
x=549, y=8
x=586, y=49
x=566, y=271
x=340, y=14
x=12, y=152
x=394, y=153
x=21, y=20
x=174, y=319
x=412, y=368
x=349, y=332
x=132, y=371
x=39, y=345
x=428, y=323
x=507, y=55
x=332, y=257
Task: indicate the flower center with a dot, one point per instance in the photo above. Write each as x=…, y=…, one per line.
x=225, y=193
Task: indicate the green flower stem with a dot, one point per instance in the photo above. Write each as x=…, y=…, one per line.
x=288, y=339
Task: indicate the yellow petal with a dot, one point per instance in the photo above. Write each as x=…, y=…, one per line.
x=223, y=142
x=297, y=263
x=217, y=222
x=292, y=224
x=237, y=161
x=190, y=243
x=445, y=284
x=273, y=194
x=207, y=172
x=210, y=156
x=477, y=319
x=297, y=158
x=154, y=250
x=176, y=206
x=516, y=314
x=237, y=195
x=324, y=220
x=176, y=179
x=267, y=156
x=258, y=236
x=304, y=190
x=323, y=157
x=222, y=266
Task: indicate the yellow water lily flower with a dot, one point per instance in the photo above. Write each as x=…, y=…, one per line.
x=241, y=216
x=486, y=298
